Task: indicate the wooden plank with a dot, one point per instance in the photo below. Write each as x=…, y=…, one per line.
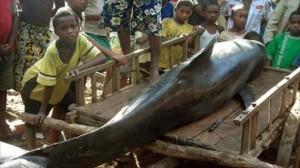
x=288, y=136
x=217, y=157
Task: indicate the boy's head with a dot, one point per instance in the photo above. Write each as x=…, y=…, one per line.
x=239, y=16
x=294, y=23
x=252, y=35
x=211, y=10
x=183, y=10
x=78, y=5
x=66, y=26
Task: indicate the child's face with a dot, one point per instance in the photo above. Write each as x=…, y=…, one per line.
x=211, y=13
x=294, y=25
x=78, y=5
x=240, y=18
x=183, y=13
x=67, y=29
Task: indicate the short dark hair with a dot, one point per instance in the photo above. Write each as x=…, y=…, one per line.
x=60, y=14
x=296, y=12
x=252, y=35
x=210, y=2
x=181, y=3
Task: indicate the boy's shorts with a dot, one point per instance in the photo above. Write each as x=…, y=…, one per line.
x=6, y=73
x=101, y=40
x=146, y=16
x=33, y=106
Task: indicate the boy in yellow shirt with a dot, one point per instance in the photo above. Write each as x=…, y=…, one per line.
x=43, y=85
x=175, y=27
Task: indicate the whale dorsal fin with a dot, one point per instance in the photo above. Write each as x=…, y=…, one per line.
x=203, y=56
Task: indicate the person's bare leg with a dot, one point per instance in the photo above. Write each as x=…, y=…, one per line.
x=155, y=44
x=124, y=39
x=4, y=128
x=30, y=136
x=53, y=134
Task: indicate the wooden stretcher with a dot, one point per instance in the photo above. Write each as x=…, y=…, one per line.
x=231, y=136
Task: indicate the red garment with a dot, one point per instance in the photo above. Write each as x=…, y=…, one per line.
x=6, y=18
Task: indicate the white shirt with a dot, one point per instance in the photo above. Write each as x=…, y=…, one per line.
x=206, y=37
x=259, y=9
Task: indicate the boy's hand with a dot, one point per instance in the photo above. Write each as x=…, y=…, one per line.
x=120, y=58
x=39, y=118
x=73, y=72
x=199, y=29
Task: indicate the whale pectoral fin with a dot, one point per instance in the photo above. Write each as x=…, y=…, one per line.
x=247, y=96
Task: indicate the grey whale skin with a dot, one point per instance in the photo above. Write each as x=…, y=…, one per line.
x=189, y=92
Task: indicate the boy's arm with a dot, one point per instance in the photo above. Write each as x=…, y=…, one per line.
x=118, y=57
x=39, y=118
x=99, y=59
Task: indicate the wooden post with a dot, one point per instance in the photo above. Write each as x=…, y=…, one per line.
x=94, y=88
x=245, y=137
x=283, y=103
x=137, y=70
x=116, y=79
x=288, y=136
x=170, y=58
x=254, y=122
x=295, y=89
x=269, y=114
x=185, y=50
x=80, y=92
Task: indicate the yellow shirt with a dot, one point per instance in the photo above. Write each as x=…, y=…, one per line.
x=171, y=29
x=50, y=71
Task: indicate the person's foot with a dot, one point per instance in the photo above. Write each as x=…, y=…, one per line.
x=5, y=130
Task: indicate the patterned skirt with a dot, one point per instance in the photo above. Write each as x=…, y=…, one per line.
x=32, y=42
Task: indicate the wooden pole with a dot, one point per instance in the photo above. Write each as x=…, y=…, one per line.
x=58, y=124
x=217, y=157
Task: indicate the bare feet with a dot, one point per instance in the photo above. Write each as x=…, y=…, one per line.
x=4, y=130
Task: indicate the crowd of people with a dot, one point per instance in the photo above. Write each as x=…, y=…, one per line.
x=43, y=40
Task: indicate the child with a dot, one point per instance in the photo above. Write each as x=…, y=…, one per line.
x=211, y=10
x=284, y=48
x=175, y=27
x=43, y=85
x=8, y=28
x=239, y=18
x=34, y=35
